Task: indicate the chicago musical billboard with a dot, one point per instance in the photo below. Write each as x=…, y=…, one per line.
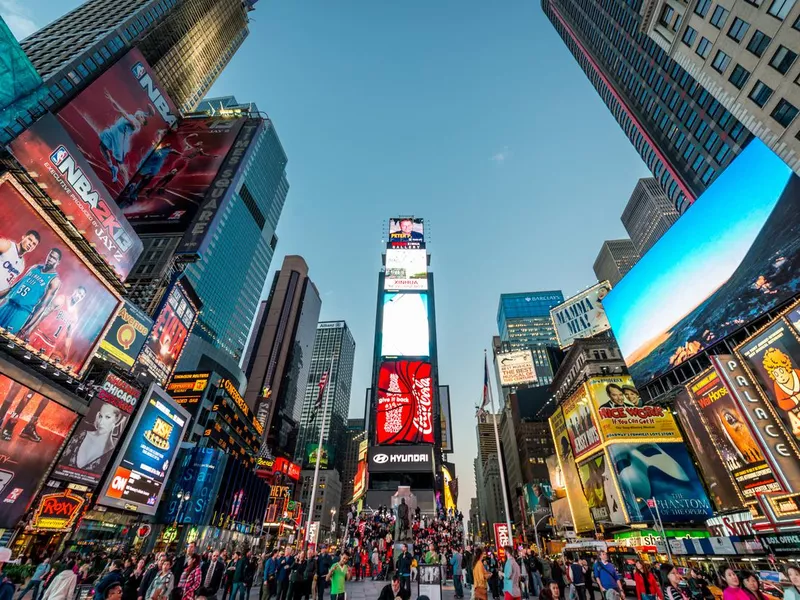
x=33, y=430
x=727, y=261
x=405, y=330
x=124, y=339
x=51, y=158
x=119, y=119
x=50, y=300
x=581, y=316
x=136, y=479
x=404, y=411
x=584, y=435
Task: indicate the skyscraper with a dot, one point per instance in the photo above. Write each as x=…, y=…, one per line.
x=682, y=133
x=278, y=357
x=523, y=321
x=355, y=436
x=334, y=354
x=616, y=258
x=187, y=42
x=648, y=214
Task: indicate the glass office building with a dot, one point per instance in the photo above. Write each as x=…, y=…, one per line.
x=684, y=135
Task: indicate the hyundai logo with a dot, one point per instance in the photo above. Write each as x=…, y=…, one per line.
x=380, y=458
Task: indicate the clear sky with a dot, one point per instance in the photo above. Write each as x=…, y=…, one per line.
x=471, y=114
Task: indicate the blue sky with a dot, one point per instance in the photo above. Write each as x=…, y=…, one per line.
x=471, y=114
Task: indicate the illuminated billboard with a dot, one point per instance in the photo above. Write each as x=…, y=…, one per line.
x=581, y=316
x=172, y=181
x=600, y=491
x=405, y=330
x=725, y=262
x=622, y=414
x=52, y=160
x=174, y=323
x=578, y=504
x=406, y=270
x=360, y=482
x=664, y=472
x=584, y=435
x=143, y=464
x=445, y=418
x=404, y=412
x=50, y=299
x=99, y=433
x=406, y=232
x=124, y=339
x=119, y=119
x=516, y=368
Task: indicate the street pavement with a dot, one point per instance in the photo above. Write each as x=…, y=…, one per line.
x=367, y=589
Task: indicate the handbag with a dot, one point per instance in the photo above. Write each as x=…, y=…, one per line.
x=480, y=593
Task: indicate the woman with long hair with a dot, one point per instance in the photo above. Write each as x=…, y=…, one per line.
x=89, y=449
x=480, y=591
x=191, y=578
x=647, y=587
x=672, y=580
x=733, y=586
x=792, y=592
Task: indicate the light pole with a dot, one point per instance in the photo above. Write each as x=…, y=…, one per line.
x=536, y=532
x=182, y=497
x=333, y=525
x=653, y=505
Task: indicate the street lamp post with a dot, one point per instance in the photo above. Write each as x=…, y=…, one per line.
x=652, y=504
x=536, y=532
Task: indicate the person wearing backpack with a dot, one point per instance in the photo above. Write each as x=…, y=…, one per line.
x=608, y=578
x=576, y=578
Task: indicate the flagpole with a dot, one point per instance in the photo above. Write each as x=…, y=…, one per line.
x=499, y=455
x=319, y=460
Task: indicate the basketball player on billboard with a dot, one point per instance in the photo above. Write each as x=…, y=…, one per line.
x=115, y=140
x=29, y=297
x=12, y=260
x=29, y=431
x=190, y=152
x=150, y=166
x=52, y=334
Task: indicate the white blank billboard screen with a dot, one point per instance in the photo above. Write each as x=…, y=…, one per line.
x=405, y=325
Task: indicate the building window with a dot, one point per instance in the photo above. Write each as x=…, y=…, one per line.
x=719, y=16
x=708, y=175
x=698, y=162
x=721, y=62
x=739, y=76
x=711, y=142
x=784, y=113
x=704, y=47
x=738, y=29
x=722, y=153
x=702, y=7
x=758, y=43
x=689, y=36
x=760, y=94
x=783, y=60
x=667, y=14
x=780, y=8
x=796, y=24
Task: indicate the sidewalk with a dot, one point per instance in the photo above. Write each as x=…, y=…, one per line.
x=370, y=590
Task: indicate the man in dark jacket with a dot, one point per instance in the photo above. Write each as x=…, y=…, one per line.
x=324, y=564
x=182, y=561
x=149, y=574
x=466, y=565
x=285, y=563
x=239, y=572
x=114, y=575
x=270, y=571
x=393, y=590
x=213, y=572
x=250, y=572
x=404, y=568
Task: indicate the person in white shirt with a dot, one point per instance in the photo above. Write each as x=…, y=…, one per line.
x=62, y=587
x=12, y=261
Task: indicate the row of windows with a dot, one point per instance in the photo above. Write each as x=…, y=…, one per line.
x=777, y=8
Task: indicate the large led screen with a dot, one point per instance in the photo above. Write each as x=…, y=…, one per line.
x=174, y=178
x=174, y=323
x=581, y=316
x=406, y=270
x=405, y=325
x=136, y=479
x=733, y=256
x=406, y=232
x=404, y=413
x=664, y=472
x=119, y=119
x=53, y=160
x=49, y=299
x=34, y=429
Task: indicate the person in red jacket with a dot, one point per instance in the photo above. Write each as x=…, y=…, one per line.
x=647, y=587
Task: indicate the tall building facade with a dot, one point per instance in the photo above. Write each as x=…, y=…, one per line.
x=334, y=353
x=523, y=321
x=278, y=357
x=684, y=135
x=745, y=54
x=328, y=500
x=648, y=214
x=355, y=436
x=187, y=42
x=616, y=257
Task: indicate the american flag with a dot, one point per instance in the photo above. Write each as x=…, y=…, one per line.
x=485, y=399
x=322, y=383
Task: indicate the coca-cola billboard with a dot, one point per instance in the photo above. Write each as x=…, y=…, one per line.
x=404, y=411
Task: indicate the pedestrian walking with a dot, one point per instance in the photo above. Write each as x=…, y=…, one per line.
x=36, y=580
x=62, y=587
x=455, y=563
x=338, y=575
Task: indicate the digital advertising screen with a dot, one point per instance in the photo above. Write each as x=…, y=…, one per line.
x=406, y=232
x=360, y=482
x=99, y=433
x=600, y=491
x=734, y=444
x=51, y=300
x=405, y=330
x=174, y=323
x=124, y=339
x=731, y=258
x=584, y=434
x=312, y=454
x=172, y=181
x=136, y=479
x=622, y=415
x=199, y=471
x=52, y=159
x=188, y=389
x=445, y=419
x=404, y=412
x=406, y=270
x=581, y=316
x=516, y=368
x=34, y=431
x=119, y=119
x=578, y=504
x=662, y=471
